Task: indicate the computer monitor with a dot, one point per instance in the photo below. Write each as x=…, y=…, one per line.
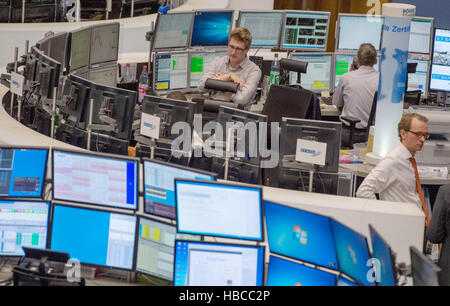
x=383, y=253
x=370, y=30
x=44, y=45
x=342, y=64
x=319, y=72
x=104, y=75
x=80, y=46
x=307, y=144
x=265, y=27
x=30, y=67
x=344, y=282
x=440, y=66
x=159, y=185
x=283, y=272
x=172, y=30
x=104, y=43
x=419, y=79
x=55, y=47
x=421, y=36
x=24, y=223
x=113, y=110
x=169, y=111
x=299, y=234
x=94, y=178
x=352, y=252
x=214, y=264
x=171, y=71
x=47, y=73
x=75, y=98
x=424, y=272
x=22, y=172
x=97, y=237
x=199, y=63
x=219, y=209
x=156, y=247
x=305, y=30
x=211, y=28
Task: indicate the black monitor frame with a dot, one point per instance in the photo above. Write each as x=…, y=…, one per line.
x=157, y=30
x=47, y=73
x=103, y=156
x=75, y=108
x=44, y=177
x=177, y=166
x=155, y=67
x=416, y=257
x=392, y=258
x=112, y=211
x=432, y=64
x=70, y=48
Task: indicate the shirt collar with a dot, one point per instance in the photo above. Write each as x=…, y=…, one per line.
x=242, y=65
x=405, y=152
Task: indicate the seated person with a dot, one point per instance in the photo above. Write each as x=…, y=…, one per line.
x=236, y=67
x=355, y=92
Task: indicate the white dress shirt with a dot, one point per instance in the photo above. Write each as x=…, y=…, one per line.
x=355, y=93
x=393, y=179
x=247, y=71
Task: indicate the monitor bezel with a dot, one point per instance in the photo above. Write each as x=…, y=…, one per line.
x=110, y=211
x=248, y=11
x=332, y=68
x=236, y=185
x=372, y=233
x=55, y=65
x=69, y=48
x=44, y=177
x=337, y=33
x=303, y=48
x=171, y=53
x=104, y=156
x=256, y=247
x=412, y=56
x=191, y=32
x=188, y=39
x=430, y=52
x=298, y=259
x=430, y=72
x=48, y=221
x=98, y=26
x=180, y=167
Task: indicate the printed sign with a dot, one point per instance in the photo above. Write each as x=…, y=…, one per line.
x=150, y=125
x=17, y=81
x=311, y=152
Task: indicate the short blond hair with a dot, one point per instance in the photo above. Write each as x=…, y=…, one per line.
x=405, y=122
x=243, y=35
x=367, y=55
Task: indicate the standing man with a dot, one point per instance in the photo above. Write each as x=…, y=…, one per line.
x=354, y=94
x=237, y=68
x=396, y=178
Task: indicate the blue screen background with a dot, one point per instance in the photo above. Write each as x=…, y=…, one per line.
x=211, y=28
x=282, y=272
x=319, y=247
x=382, y=253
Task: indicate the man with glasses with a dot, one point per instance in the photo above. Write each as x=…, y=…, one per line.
x=396, y=178
x=237, y=68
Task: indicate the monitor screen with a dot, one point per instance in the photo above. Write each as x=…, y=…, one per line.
x=80, y=45
x=423, y=271
x=211, y=28
x=156, y=247
x=22, y=172
x=171, y=71
x=440, y=67
x=282, y=272
x=420, y=37
x=210, y=264
x=200, y=62
x=95, y=179
x=318, y=74
x=104, y=75
x=22, y=223
x=214, y=209
x=305, y=30
x=94, y=236
x=264, y=26
x=352, y=252
x=419, y=80
x=369, y=31
x=300, y=235
x=342, y=65
x=104, y=43
x=172, y=30
x=383, y=252
x=159, y=186
x=343, y=282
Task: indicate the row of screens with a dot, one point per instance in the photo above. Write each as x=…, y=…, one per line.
x=180, y=70
x=159, y=249
x=289, y=30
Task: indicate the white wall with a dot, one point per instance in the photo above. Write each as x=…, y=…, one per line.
x=251, y=4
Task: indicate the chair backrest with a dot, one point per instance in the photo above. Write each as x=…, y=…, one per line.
x=373, y=111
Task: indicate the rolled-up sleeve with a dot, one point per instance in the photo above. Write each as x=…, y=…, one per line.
x=246, y=95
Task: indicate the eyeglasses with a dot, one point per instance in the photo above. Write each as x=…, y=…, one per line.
x=419, y=135
x=237, y=49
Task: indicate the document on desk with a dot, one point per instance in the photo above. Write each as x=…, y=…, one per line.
x=433, y=172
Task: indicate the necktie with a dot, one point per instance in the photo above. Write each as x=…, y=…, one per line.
x=419, y=190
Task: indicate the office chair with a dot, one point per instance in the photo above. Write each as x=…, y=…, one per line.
x=348, y=143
